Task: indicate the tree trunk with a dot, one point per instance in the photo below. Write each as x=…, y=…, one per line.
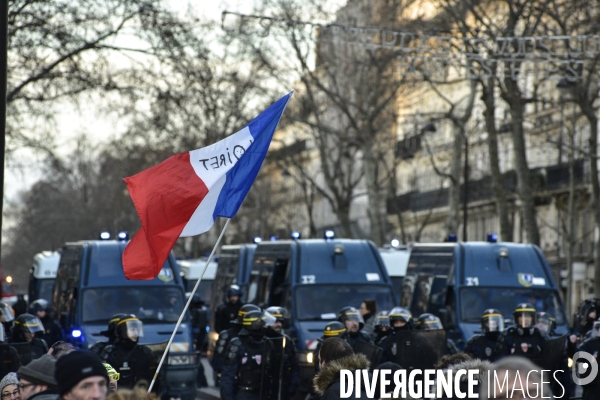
x=590, y=114
x=454, y=190
x=525, y=187
x=374, y=195
x=506, y=229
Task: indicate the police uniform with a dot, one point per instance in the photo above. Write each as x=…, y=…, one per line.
x=483, y=346
x=134, y=362
x=525, y=341
x=52, y=331
x=291, y=371
x=29, y=323
x=9, y=357
x=389, y=344
x=227, y=311
x=110, y=333
x=242, y=371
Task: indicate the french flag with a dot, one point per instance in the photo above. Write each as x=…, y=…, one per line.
x=183, y=195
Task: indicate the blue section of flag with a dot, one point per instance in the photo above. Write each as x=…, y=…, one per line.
x=241, y=177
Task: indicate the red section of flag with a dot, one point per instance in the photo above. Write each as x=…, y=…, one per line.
x=165, y=197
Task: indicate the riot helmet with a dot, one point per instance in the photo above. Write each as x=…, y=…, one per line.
x=400, y=318
x=334, y=329
x=429, y=322
x=129, y=329
x=281, y=315
x=524, y=315
x=27, y=325
x=351, y=318
x=255, y=321
x=492, y=321
x=588, y=311
x=245, y=309
x=111, y=330
x=38, y=305
x=382, y=319
x=234, y=291
x=545, y=322
x=596, y=329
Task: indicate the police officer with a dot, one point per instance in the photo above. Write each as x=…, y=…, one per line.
x=241, y=374
x=524, y=339
x=52, y=331
x=382, y=327
x=134, y=362
x=592, y=346
x=291, y=371
x=26, y=329
x=400, y=320
x=588, y=314
x=332, y=329
x=7, y=318
x=546, y=324
x=483, y=346
x=225, y=337
x=429, y=322
x=9, y=357
x=110, y=333
x=350, y=317
x=227, y=311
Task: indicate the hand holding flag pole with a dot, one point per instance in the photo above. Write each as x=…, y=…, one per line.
x=183, y=195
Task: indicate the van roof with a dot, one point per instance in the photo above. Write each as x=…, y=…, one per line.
x=396, y=261
x=317, y=257
x=45, y=264
x=106, y=266
x=496, y=264
x=191, y=269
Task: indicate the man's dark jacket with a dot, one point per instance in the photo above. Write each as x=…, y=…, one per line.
x=327, y=382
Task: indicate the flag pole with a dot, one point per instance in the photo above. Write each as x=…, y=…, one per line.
x=187, y=305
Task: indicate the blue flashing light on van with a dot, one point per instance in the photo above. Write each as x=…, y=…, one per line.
x=314, y=279
x=458, y=281
x=90, y=287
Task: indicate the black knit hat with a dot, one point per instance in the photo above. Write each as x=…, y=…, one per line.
x=39, y=371
x=76, y=366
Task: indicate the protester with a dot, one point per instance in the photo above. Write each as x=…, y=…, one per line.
x=113, y=378
x=334, y=356
x=61, y=348
x=80, y=375
x=452, y=359
x=9, y=387
x=368, y=311
x=37, y=379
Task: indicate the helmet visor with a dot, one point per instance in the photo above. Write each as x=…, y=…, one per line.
x=268, y=318
x=382, y=320
x=493, y=323
x=32, y=325
x=525, y=319
x=6, y=314
x=596, y=329
x=134, y=329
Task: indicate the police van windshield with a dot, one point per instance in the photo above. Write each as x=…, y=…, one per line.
x=322, y=302
x=475, y=300
x=149, y=304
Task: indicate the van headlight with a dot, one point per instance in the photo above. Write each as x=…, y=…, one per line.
x=181, y=360
x=307, y=357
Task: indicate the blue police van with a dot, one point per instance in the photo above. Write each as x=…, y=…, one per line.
x=314, y=279
x=458, y=281
x=90, y=287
